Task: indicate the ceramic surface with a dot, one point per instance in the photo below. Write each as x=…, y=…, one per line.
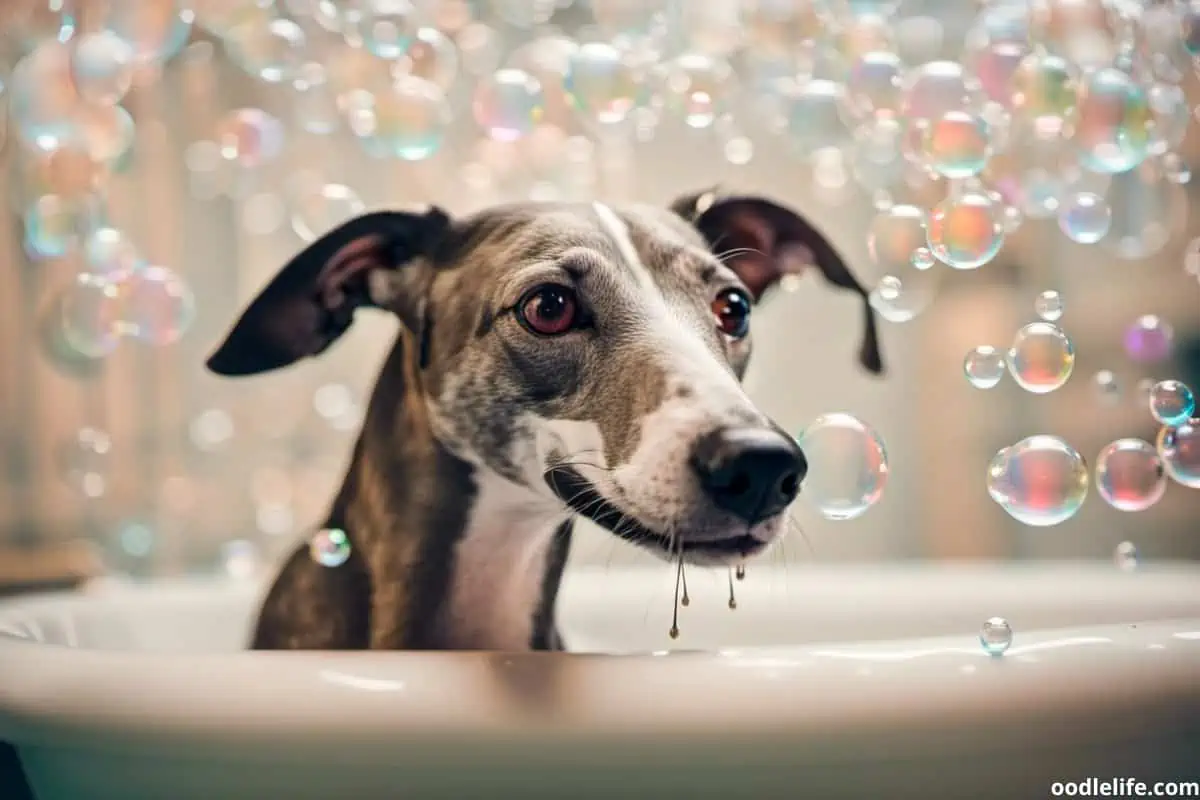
x=838, y=682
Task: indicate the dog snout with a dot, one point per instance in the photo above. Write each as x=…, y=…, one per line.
x=753, y=473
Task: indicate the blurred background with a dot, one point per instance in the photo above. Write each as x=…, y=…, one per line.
x=164, y=157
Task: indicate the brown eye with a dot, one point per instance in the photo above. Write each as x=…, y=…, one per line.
x=732, y=309
x=548, y=310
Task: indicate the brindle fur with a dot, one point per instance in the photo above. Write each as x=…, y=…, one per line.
x=442, y=410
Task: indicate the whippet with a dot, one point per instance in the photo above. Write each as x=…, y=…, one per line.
x=554, y=361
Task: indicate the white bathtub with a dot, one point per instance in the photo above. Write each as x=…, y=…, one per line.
x=825, y=683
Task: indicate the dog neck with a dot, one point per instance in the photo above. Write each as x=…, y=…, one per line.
x=457, y=556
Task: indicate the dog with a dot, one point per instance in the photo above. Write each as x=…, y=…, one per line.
x=554, y=361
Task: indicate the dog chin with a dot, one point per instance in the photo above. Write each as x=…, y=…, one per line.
x=711, y=550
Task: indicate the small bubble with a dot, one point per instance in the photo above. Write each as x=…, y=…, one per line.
x=1107, y=386
x=330, y=547
x=849, y=466
x=102, y=65
x=922, y=258
x=1085, y=217
x=1176, y=169
x=85, y=460
x=1130, y=475
x=1172, y=402
x=1125, y=556
x=91, y=315
x=509, y=104
x=387, y=28
x=984, y=367
x=1149, y=339
x=1049, y=306
x=995, y=636
x=958, y=144
x=1041, y=358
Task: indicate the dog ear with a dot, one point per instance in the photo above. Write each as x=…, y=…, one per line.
x=765, y=242
x=311, y=302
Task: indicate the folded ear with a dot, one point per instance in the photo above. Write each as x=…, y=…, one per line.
x=311, y=302
x=763, y=242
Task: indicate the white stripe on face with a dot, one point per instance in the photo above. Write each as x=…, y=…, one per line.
x=684, y=350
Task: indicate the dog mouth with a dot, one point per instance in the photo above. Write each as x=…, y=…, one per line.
x=583, y=498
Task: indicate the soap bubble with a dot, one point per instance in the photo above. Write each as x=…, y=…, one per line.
x=995, y=636
x=1130, y=475
x=158, y=306
x=42, y=97
x=387, y=27
x=272, y=50
x=434, y=57
x=51, y=227
x=984, y=367
x=900, y=299
x=85, y=461
x=1085, y=217
x=106, y=134
x=509, y=104
x=1108, y=388
x=812, y=113
x=330, y=547
x=250, y=136
x=965, y=230
x=995, y=66
x=1114, y=125
x=1040, y=481
x=155, y=29
x=1172, y=402
x=602, y=83
x=848, y=466
x=108, y=252
x=936, y=87
x=1149, y=339
x=922, y=259
x=698, y=88
x=1041, y=358
x=958, y=144
x=91, y=315
x=895, y=243
x=1175, y=168
x=318, y=209
x=1172, y=116
x=873, y=85
x=1049, y=306
x=1045, y=92
x=877, y=154
x=315, y=106
x=409, y=120
x=102, y=67
x=1180, y=450
x=1125, y=556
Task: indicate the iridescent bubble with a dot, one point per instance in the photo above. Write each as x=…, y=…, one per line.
x=895, y=238
x=387, y=27
x=1130, y=475
x=272, y=50
x=995, y=65
x=1045, y=92
x=1085, y=217
x=813, y=115
x=1114, y=125
x=1179, y=447
x=409, y=121
x=984, y=367
x=1176, y=169
x=995, y=636
x=1041, y=358
x=1049, y=306
x=155, y=29
x=434, y=57
x=1172, y=402
x=697, y=87
x=86, y=461
x=873, y=85
x=897, y=301
x=315, y=106
x=42, y=97
x=1149, y=339
x=51, y=227
x=250, y=136
x=1107, y=386
x=1040, y=481
x=848, y=466
x=109, y=252
x=91, y=315
x=922, y=259
x=1125, y=556
x=318, y=209
x=965, y=230
x=509, y=104
x=937, y=87
x=157, y=306
x=601, y=84
x=877, y=154
x=102, y=67
x=106, y=133
x=1172, y=116
x=957, y=144
x=330, y=547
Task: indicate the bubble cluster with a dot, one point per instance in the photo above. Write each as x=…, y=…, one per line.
x=1041, y=358
x=330, y=547
x=995, y=636
x=1130, y=475
x=848, y=466
x=1040, y=481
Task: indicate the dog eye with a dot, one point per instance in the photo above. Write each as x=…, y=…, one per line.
x=732, y=309
x=548, y=310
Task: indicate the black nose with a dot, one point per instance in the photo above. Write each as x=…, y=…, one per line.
x=753, y=473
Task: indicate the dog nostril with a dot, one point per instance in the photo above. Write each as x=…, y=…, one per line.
x=739, y=484
x=789, y=487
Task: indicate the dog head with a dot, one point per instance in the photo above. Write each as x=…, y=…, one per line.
x=590, y=355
